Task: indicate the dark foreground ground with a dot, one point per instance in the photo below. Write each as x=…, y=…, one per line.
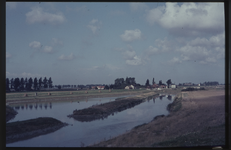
x=196, y=119
x=22, y=130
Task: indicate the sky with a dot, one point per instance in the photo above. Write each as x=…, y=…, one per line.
x=96, y=42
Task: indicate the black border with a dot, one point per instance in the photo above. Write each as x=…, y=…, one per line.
x=227, y=11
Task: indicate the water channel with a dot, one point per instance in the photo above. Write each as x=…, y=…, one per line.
x=79, y=134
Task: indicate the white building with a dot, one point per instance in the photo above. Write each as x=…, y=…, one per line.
x=173, y=86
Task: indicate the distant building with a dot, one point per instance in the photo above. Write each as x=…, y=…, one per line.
x=173, y=86
x=129, y=87
x=100, y=87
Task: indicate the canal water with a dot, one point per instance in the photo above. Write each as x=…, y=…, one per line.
x=77, y=133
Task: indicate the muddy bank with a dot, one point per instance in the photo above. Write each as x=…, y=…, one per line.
x=104, y=110
x=22, y=130
x=10, y=113
x=195, y=119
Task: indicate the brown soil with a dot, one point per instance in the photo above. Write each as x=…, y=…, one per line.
x=22, y=130
x=10, y=113
x=106, y=109
x=199, y=121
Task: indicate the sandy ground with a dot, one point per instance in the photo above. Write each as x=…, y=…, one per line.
x=199, y=122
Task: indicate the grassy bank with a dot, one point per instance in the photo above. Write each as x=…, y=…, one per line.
x=60, y=94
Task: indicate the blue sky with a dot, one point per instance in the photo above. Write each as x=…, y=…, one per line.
x=95, y=43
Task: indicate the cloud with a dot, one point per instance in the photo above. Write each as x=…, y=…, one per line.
x=134, y=61
x=48, y=49
x=35, y=45
x=37, y=15
x=175, y=61
x=11, y=5
x=131, y=35
x=70, y=57
x=189, y=18
x=130, y=56
x=94, y=25
x=138, y=6
x=56, y=42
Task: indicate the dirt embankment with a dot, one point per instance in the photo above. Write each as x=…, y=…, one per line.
x=104, y=110
x=22, y=130
x=10, y=113
x=196, y=119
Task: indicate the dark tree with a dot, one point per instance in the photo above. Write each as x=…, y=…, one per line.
x=45, y=82
x=7, y=85
x=30, y=83
x=26, y=84
x=147, y=83
x=160, y=82
x=106, y=87
x=22, y=84
x=40, y=82
x=127, y=81
x=12, y=83
x=111, y=86
x=59, y=87
x=169, y=82
x=16, y=84
x=35, y=84
x=50, y=83
x=153, y=82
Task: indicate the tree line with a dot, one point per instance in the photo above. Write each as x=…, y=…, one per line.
x=169, y=82
x=28, y=84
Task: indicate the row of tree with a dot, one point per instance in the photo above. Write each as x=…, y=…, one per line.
x=28, y=84
x=120, y=83
x=169, y=82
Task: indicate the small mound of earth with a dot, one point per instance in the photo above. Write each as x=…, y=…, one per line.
x=10, y=113
x=22, y=130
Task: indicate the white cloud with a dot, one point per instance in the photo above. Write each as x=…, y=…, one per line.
x=70, y=57
x=37, y=15
x=11, y=5
x=151, y=51
x=137, y=6
x=175, y=60
x=131, y=35
x=35, y=45
x=56, y=42
x=189, y=18
x=129, y=54
x=134, y=61
x=95, y=25
x=48, y=49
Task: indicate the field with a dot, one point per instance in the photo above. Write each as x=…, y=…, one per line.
x=19, y=97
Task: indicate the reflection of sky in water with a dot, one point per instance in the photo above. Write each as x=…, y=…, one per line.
x=88, y=132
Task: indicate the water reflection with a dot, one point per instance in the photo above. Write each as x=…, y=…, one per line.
x=35, y=106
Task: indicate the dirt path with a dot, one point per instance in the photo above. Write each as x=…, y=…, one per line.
x=199, y=122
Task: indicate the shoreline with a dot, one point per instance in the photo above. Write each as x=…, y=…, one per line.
x=201, y=116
